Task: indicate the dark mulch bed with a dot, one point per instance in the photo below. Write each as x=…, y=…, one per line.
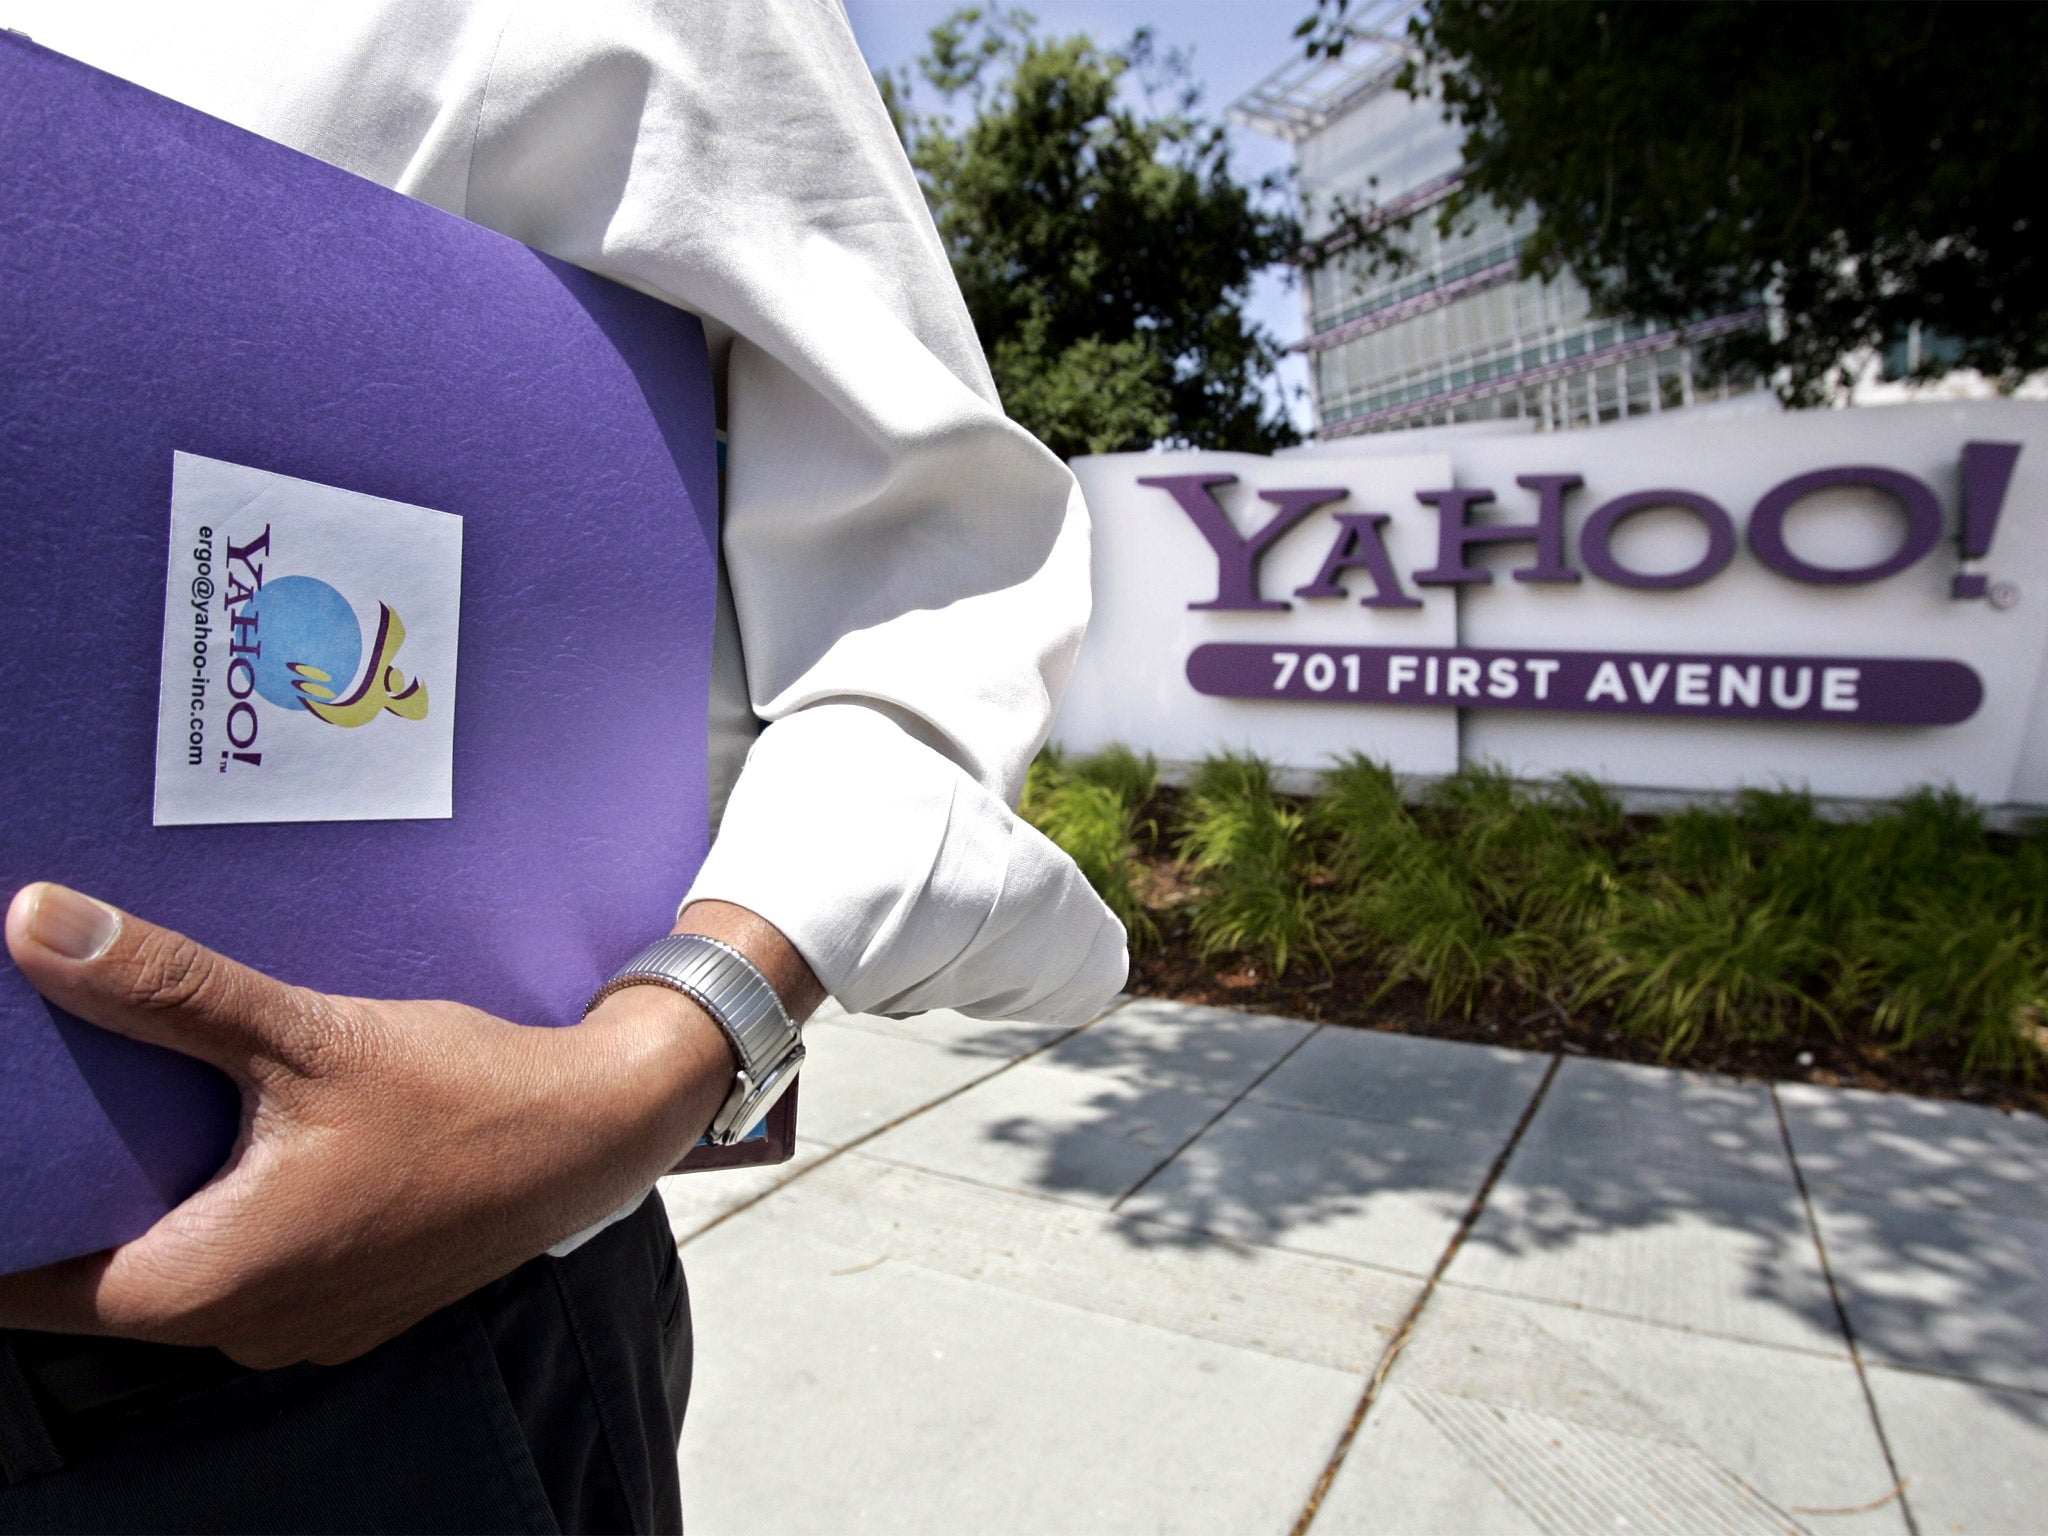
x=1344, y=995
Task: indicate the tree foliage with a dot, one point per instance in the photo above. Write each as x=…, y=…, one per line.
x=1105, y=250
x=1859, y=167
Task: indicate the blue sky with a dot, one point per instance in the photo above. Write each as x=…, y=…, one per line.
x=1233, y=44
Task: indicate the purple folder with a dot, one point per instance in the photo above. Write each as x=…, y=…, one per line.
x=169, y=283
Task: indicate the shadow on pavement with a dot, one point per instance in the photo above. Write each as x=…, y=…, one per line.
x=1663, y=1196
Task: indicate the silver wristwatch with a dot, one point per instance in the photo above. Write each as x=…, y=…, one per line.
x=726, y=985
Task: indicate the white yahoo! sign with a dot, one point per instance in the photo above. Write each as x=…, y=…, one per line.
x=1853, y=601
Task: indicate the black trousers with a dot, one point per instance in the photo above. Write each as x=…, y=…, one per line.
x=548, y=1401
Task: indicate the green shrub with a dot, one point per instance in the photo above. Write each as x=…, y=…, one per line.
x=1569, y=891
x=1913, y=927
x=1847, y=874
x=1541, y=859
x=1230, y=775
x=1134, y=780
x=1592, y=809
x=1090, y=807
x=2028, y=877
x=1697, y=848
x=1254, y=856
x=1953, y=947
x=1358, y=815
x=1047, y=772
x=1776, y=813
x=1489, y=888
x=1682, y=965
x=1428, y=922
x=1958, y=972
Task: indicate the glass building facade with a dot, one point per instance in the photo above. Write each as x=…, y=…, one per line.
x=1455, y=333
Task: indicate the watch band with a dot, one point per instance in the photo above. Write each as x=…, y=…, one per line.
x=726, y=984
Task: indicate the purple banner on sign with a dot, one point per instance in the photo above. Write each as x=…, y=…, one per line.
x=1854, y=690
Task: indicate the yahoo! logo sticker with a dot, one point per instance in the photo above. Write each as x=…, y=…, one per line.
x=295, y=643
x=291, y=689
x=1359, y=545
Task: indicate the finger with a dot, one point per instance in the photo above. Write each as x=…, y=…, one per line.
x=153, y=1288
x=112, y=969
x=57, y=1298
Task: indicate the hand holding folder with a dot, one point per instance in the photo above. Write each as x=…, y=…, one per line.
x=398, y=1154
x=296, y=372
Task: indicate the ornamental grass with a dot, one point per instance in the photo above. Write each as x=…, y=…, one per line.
x=1094, y=809
x=1912, y=929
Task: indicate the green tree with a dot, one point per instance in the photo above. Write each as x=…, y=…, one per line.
x=1861, y=168
x=1105, y=249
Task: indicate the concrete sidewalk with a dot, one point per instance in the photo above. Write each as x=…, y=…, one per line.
x=1188, y=1270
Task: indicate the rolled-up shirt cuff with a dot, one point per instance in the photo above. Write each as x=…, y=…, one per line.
x=903, y=882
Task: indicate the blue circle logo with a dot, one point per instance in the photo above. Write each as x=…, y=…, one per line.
x=309, y=636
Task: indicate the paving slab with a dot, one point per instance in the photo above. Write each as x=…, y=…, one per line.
x=1964, y=1293
x=1296, y=1307
x=1156, y=1044
x=864, y=1071
x=1006, y=1040
x=1919, y=1152
x=1505, y=1418
x=1971, y=1455
x=1935, y=1216
x=856, y=1080
x=1653, y=1117
x=1134, y=1278
x=1733, y=1256
x=1658, y=1195
x=1367, y=1191
x=1079, y=1136
x=840, y=1391
x=1404, y=1478
x=1419, y=1084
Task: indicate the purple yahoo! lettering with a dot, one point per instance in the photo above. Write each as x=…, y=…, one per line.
x=1359, y=546
x=1767, y=524
x=1456, y=531
x=1596, y=540
x=1238, y=556
x=1987, y=474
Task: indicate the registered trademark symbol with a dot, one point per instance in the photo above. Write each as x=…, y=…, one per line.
x=2005, y=594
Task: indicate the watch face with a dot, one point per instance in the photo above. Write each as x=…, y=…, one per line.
x=771, y=1141
x=764, y=1127
x=751, y=1102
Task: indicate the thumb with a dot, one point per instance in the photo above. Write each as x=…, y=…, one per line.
x=123, y=974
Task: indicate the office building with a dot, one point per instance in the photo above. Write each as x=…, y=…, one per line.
x=1457, y=334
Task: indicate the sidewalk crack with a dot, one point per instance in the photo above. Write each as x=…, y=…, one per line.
x=1406, y=1331
x=1203, y=1129
x=1827, y=1270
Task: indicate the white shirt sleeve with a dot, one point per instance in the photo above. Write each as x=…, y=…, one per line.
x=908, y=567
